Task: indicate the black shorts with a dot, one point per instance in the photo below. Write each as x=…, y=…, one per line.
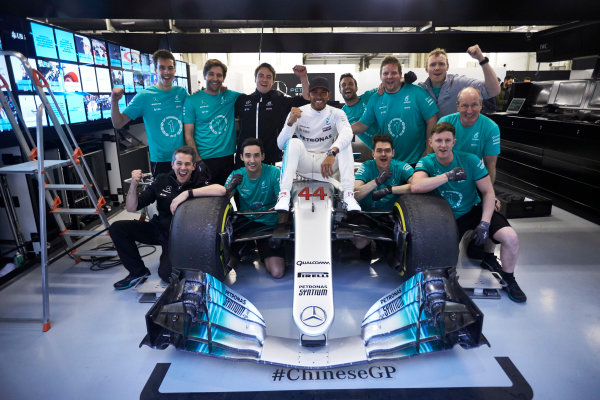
x=471, y=219
x=264, y=248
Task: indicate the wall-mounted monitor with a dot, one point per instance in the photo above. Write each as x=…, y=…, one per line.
x=128, y=81
x=28, y=104
x=21, y=78
x=62, y=104
x=105, y=105
x=103, y=77
x=65, y=44
x=146, y=60
x=88, y=79
x=570, y=94
x=76, y=108
x=129, y=98
x=114, y=54
x=94, y=112
x=71, y=77
x=125, y=57
x=138, y=81
x=99, y=52
x=51, y=71
x=136, y=61
x=4, y=122
x=83, y=45
x=43, y=41
x=117, y=77
x=4, y=72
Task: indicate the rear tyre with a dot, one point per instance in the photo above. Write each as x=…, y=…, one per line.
x=432, y=240
x=195, y=240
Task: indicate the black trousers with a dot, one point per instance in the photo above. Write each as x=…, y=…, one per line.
x=219, y=168
x=125, y=234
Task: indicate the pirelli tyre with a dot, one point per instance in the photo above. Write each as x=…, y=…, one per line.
x=195, y=240
x=432, y=239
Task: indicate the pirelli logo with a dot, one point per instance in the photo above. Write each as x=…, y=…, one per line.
x=313, y=274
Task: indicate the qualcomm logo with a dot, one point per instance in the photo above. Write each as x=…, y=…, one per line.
x=313, y=316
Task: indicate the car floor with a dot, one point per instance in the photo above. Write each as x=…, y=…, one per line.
x=548, y=347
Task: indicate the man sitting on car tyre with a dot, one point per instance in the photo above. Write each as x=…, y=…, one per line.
x=457, y=176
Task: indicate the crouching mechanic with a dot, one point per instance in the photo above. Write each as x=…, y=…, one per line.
x=257, y=186
x=168, y=190
x=456, y=176
x=321, y=147
x=379, y=181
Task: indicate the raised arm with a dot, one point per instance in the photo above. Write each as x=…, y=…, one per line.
x=301, y=72
x=489, y=75
x=117, y=118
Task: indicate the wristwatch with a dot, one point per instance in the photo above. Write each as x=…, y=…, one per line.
x=331, y=152
x=484, y=61
x=191, y=194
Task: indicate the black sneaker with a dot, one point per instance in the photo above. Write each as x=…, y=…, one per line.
x=131, y=280
x=512, y=288
x=490, y=261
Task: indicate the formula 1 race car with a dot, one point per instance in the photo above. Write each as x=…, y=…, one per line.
x=429, y=311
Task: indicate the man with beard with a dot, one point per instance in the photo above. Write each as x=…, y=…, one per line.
x=262, y=113
x=356, y=105
x=404, y=111
x=209, y=123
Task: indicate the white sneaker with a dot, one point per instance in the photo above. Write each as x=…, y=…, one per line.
x=351, y=203
x=283, y=202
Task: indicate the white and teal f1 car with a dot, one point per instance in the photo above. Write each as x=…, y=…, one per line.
x=429, y=311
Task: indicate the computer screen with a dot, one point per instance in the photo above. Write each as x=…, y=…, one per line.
x=21, y=78
x=83, y=46
x=99, y=52
x=105, y=105
x=28, y=104
x=129, y=98
x=128, y=81
x=4, y=122
x=66, y=45
x=136, y=61
x=570, y=94
x=71, y=77
x=76, y=107
x=103, y=77
x=117, y=77
x=125, y=57
x=138, y=81
x=146, y=60
x=88, y=79
x=62, y=104
x=94, y=111
x=595, y=100
x=51, y=71
x=43, y=41
x=114, y=53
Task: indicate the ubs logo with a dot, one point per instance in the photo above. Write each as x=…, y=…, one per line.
x=313, y=316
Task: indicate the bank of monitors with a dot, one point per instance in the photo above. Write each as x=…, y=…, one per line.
x=570, y=94
x=80, y=70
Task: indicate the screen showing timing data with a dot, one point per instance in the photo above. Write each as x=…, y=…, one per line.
x=43, y=40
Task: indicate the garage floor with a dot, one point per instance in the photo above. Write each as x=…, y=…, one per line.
x=548, y=347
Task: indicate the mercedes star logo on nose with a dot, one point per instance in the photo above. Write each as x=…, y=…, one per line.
x=313, y=316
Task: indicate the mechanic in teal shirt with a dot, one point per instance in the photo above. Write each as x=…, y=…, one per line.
x=161, y=107
x=379, y=181
x=457, y=177
x=356, y=105
x=209, y=122
x=257, y=187
x=475, y=133
x=405, y=111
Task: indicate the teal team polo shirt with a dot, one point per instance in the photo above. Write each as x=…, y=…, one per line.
x=481, y=139
x=368, y=171
x=214, y=123
x=258, y=194
x=461, y=195
x=402, y=115
x=162, y=111
x=356, y=111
